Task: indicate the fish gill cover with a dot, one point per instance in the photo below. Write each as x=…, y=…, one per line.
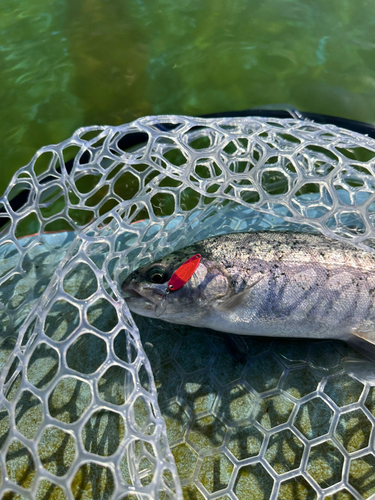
x=94, y=405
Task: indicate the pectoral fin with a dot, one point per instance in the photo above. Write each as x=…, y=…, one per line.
x=237, y=300
x=233, y=302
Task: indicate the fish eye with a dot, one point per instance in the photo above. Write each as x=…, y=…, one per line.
x=157, y=275
x=157, y=278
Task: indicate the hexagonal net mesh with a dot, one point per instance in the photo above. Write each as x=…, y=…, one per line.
x=85, y=412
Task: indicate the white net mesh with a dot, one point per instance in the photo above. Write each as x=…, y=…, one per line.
x=85, y=413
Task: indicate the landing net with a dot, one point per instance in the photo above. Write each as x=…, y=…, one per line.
x=96, y=406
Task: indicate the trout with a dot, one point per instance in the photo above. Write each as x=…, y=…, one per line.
x=281, y=284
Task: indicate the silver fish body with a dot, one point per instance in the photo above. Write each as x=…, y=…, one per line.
x=264, y=283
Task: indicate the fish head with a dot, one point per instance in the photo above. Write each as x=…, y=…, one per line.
x=146, y=289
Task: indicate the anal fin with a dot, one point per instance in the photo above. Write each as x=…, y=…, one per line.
x=363, y=343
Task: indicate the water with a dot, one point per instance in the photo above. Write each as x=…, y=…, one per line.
x=82, y=62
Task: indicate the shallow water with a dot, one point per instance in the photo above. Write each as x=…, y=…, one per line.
x=226, y=403
x=241, y=412
x=238, y=418
x=81, y=62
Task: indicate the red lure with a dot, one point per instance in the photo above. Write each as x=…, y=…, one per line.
x=184, y=273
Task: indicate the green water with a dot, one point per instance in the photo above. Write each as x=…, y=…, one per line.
x=69, y=63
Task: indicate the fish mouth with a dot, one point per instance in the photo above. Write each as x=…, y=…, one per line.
x=137, y=301
x=139, y=298
x=129, y=292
